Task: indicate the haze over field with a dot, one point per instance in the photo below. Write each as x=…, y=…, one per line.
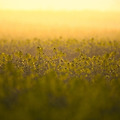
x=59, y=59
x=57, y=23
x=47, y=18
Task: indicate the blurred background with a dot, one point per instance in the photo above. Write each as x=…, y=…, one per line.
x=54, y=18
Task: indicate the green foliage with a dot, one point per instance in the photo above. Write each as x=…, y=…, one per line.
x=56, y=80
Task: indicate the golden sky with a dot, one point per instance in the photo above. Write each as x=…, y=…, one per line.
x=60, y=4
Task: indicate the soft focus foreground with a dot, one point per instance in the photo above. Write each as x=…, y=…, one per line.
x=56, y=80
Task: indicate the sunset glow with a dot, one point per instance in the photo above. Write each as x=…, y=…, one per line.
x=60, y=4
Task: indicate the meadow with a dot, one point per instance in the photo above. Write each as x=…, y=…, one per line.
x=73, y=77
x=49, y=80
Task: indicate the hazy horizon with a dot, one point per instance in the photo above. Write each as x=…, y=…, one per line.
x=36, y=18
x=58, y=23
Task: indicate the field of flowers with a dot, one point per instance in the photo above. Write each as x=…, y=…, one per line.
x=59, y=79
